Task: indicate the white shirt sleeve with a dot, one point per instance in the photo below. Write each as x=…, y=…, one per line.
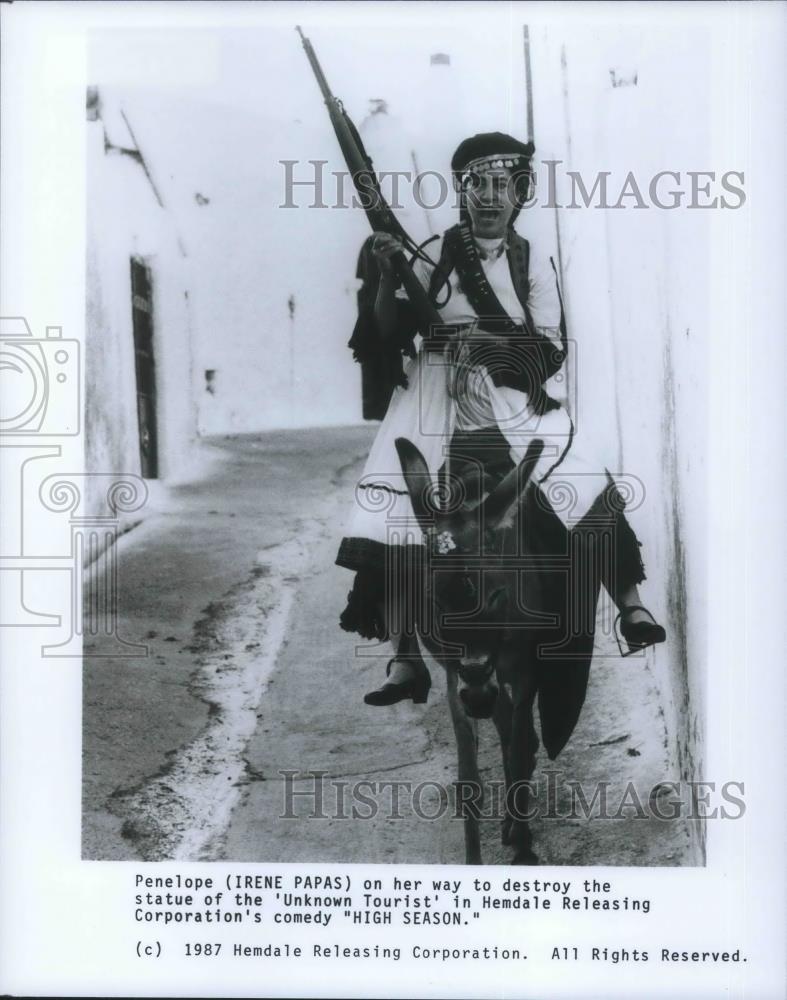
x=543, y=299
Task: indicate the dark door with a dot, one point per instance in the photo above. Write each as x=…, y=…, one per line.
x=144, y=361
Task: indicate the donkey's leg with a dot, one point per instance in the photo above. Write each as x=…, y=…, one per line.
x=502, y=718
x=469, y=789
x=523, y=749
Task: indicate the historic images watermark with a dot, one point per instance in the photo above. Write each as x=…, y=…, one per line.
x=315, y=795
x=311, y=184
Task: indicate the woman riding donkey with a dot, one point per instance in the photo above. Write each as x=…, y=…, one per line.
x=471, y=400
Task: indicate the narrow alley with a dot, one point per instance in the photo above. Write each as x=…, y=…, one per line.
x=231, y=585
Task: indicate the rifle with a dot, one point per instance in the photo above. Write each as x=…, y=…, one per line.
x=378, y=212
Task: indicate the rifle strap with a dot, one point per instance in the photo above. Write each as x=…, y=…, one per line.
x=539, y=357
x=563, y=327
x=461, y=253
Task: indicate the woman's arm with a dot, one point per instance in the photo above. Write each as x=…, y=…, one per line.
x=384, y=246
x=385, y=312
x=543, y=300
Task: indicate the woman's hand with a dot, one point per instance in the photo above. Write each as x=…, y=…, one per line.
x=384, y=246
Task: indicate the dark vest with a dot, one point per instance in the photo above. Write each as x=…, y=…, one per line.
x=530, y=358
x=533, y=357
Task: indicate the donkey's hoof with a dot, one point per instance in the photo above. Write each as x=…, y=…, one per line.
x=505, y=831
x=524, y=856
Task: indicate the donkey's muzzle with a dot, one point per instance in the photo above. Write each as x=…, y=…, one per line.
x=479, y=701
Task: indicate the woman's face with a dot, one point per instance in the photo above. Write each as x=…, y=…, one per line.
x=490, y=202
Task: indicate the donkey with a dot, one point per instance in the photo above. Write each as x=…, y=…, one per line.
x=491, y=598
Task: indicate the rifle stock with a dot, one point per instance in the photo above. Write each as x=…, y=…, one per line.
x=380, y=215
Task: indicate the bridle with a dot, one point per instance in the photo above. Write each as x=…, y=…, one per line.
x=471, y=674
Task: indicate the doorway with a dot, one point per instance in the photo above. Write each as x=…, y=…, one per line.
x=145, y=366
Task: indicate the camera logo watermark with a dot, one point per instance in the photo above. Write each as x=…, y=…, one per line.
x=56, y=525
x=40, y=380
x=443, y=566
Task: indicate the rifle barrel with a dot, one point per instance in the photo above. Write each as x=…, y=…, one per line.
x=311, y=55
x=378, y=212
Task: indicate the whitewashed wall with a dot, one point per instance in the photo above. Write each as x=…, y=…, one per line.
x=272, y=289
x=125, y=220
x=636, y=283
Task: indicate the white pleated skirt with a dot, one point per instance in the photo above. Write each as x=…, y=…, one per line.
x=429, y=411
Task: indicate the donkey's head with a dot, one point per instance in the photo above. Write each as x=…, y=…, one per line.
x=466, y=591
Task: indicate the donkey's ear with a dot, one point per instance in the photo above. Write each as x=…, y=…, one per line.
x=418, y=479
x=508, y=491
